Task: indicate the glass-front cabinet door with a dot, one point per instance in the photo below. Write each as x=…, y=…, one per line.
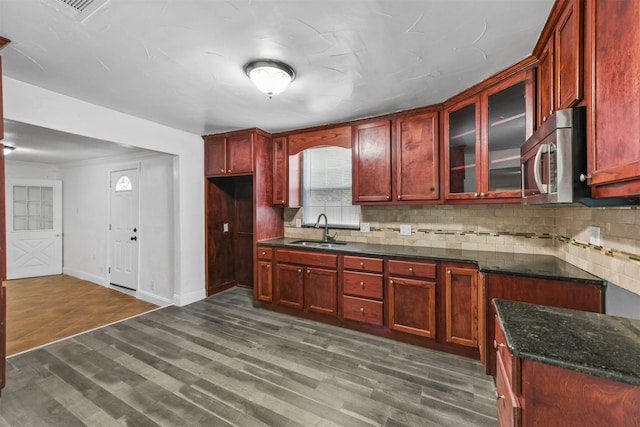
x=483, y=137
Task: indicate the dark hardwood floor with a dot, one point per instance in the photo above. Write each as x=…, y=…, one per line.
x=222, y=362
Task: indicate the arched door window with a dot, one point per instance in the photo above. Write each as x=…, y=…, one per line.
x=124, y=184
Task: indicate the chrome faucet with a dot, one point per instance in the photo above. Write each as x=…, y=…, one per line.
x=326, y=237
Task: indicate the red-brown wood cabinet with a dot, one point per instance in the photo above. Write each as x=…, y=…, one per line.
x=483, y=131
x=560, y=60
x=461, y=304
x=613, y=99
x=229, y=154
x=532, y=393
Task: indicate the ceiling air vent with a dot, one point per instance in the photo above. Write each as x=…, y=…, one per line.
x=81, y=9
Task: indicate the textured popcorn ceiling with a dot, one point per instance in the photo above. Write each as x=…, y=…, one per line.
x=179, y=62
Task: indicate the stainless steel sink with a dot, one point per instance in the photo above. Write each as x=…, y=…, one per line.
x=317, y=243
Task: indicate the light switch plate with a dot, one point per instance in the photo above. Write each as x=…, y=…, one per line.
x=594, y=236
x=405, y=230
x=225, y=227
x=364, y=227
x=298, y=223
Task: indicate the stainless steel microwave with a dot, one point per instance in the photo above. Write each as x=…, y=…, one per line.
x=553, y=159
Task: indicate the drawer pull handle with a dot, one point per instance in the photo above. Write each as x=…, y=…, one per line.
x=499, y=396
x=497, y=345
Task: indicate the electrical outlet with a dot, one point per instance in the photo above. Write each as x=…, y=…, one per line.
x=298, y=223
x=364, y=227
x=405, y=230
x=594, y=236
x=225, y=227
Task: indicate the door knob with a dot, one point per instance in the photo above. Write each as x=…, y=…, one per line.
x=134, y=238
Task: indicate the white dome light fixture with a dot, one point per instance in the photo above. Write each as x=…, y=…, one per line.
x=270, y=76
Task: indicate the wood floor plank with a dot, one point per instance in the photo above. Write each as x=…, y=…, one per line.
x=224, y=362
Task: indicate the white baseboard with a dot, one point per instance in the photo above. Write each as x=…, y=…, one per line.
x=102, y=281
x=182, y=300
x=154, y=299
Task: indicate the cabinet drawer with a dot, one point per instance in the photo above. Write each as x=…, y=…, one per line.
x=509, y=410
x=363, y=264
x=511, y=365
x=362, y=284
x=309, y=258
x=413, y=268
x=265, y=253
x=362, y=310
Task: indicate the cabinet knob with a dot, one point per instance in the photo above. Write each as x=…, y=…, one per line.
x=362, y=265
x=263, y=253
x=221, y=170
x=476, y=194
x=362, y=284
x=584, y=178
x=497, y=345
x=268, y=265
x=308, y=272
x=229, y=170
x=299, y=270
x=388, y=197
x=391, y=281
x=448, y=271
x=499, y=396
x=483, y=194
x=550, y=112
x=411, y=269
x=362, y=310
x=399, y=197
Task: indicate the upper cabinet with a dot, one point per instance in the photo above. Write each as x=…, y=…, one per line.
x=397, y=161
x=483, y=134
x=286, y=175
x=613, y=100
x=560, y=57
x=228, y=154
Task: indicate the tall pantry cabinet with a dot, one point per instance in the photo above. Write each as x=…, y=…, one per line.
x=238, y=206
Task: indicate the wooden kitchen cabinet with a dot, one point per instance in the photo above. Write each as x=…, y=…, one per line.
x=399, y=166
x=556, y=293
x=411, y=294
x=229, y=154
x=560, y=60
x=265, y=275
x=286, y=175
x=461, y=302
x=483, y=134
x=307, y=280
x=417, y=176
x=372, y=162
x=613, y=101
x=362, y=289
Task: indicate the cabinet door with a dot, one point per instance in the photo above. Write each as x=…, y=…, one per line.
x=215, y=162
x=240, y=153
x=461, y=305
x=568, y=57
x=614, y=151
x=416, y=153
x=289, y=285
x=321, y=291
x=462, y=150
x=412, y=306
x=372, y=162
x=265, y=281
x=545, y=104
x=280, y=171
x=505, y=123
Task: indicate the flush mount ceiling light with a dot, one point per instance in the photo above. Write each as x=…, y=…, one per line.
x=8, y=149
x=270, y=76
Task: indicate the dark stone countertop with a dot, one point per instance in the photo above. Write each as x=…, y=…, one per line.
x=529, y=265
x=592, y=343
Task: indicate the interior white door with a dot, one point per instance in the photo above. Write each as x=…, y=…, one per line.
x=34, y=227
x=123, y=229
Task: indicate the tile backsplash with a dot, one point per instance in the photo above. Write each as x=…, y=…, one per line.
x=560, y=231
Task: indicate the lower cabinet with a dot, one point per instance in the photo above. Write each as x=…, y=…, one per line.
x=532, y=393
x=264, y=275
x=362, y=295
x=307, y=281
x=411, y=296
x=461, y=300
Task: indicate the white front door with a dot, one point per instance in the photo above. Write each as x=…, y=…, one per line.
x=123, y=229
x=34, y=227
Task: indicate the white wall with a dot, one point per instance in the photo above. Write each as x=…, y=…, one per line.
x=86, y=217
x=37, y=106
x=27, y=170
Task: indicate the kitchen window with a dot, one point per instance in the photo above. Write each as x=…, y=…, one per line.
x=326, y=187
